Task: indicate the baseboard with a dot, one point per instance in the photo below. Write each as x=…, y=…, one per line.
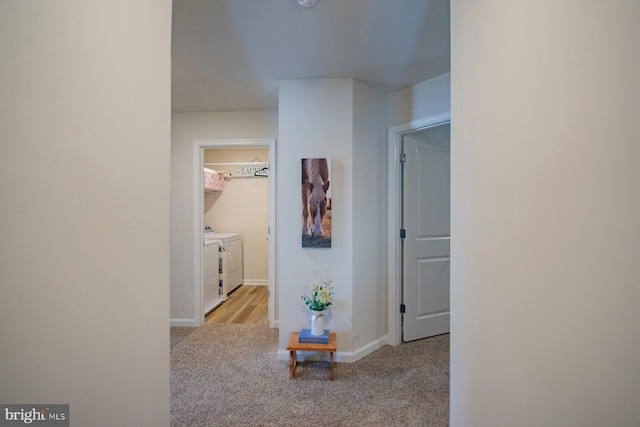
x=367, y=349
x=339, y=356
x=255, y=282
x=183, y=322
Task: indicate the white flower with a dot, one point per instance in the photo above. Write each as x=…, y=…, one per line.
x=321, y=295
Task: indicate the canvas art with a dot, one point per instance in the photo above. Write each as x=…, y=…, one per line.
x=316, y=203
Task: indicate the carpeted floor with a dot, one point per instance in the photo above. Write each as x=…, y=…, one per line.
x=228, y=375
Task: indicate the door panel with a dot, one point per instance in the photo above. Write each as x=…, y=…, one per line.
x=433, y=274
x=426, y=246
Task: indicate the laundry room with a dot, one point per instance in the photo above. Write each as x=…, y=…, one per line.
x=238, y=205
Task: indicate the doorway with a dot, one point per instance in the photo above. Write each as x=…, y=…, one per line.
x=199, y=217
x=426, y=232
x=395, y=219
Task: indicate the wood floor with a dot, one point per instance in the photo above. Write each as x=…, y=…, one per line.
x=246, y=304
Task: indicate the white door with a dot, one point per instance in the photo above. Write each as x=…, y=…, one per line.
x=426, y=224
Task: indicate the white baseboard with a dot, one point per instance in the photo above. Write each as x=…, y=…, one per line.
x=339, y=356
x=367, y=349
x=255, y=282
x=183, y=322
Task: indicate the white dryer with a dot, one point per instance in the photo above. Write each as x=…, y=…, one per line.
x=230, y=259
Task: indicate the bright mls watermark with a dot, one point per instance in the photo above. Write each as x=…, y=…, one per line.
x=36, y=415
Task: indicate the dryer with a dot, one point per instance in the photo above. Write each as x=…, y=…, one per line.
x=230, y=267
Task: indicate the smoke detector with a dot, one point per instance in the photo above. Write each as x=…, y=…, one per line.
x=307, y=3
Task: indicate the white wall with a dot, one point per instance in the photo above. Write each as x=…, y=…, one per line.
x=84, y=184
x=545, y=208
x=369, y=215
x=186, y=128
x=315, y=120
x=428, y=98
x=318, y=119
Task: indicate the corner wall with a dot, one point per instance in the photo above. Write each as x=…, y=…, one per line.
x=545, y=209
x=343, y=120
x=315, y=120
x=425, y=99
x=85, y=96
x=369, y=216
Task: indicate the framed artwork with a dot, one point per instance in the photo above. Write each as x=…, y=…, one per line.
x=316, y=203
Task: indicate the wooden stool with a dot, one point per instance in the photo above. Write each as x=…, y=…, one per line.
x=294, y=346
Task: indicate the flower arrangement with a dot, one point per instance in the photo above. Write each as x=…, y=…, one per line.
x=321, y=295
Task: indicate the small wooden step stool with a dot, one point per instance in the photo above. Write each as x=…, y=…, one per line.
x=294, y=346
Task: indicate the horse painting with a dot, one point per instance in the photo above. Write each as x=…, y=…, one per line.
x=315, y=184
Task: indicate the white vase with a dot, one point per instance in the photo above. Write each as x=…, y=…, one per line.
x=317, y=322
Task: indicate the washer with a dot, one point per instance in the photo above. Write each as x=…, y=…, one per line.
x=231, y=262
x=211, y=291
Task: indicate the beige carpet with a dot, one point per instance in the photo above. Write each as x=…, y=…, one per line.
x=228, y=375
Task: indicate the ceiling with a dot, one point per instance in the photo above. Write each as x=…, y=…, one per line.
x=228, y=55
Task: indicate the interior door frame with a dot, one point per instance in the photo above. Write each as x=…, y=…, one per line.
x=198, y=219
x=394, y=219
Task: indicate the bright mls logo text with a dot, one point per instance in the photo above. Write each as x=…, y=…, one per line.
x=37, y=414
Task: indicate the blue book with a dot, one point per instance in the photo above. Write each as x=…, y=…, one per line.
x=305, y=336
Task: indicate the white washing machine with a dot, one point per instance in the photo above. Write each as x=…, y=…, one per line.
x=230, y=264
x=211, y=290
